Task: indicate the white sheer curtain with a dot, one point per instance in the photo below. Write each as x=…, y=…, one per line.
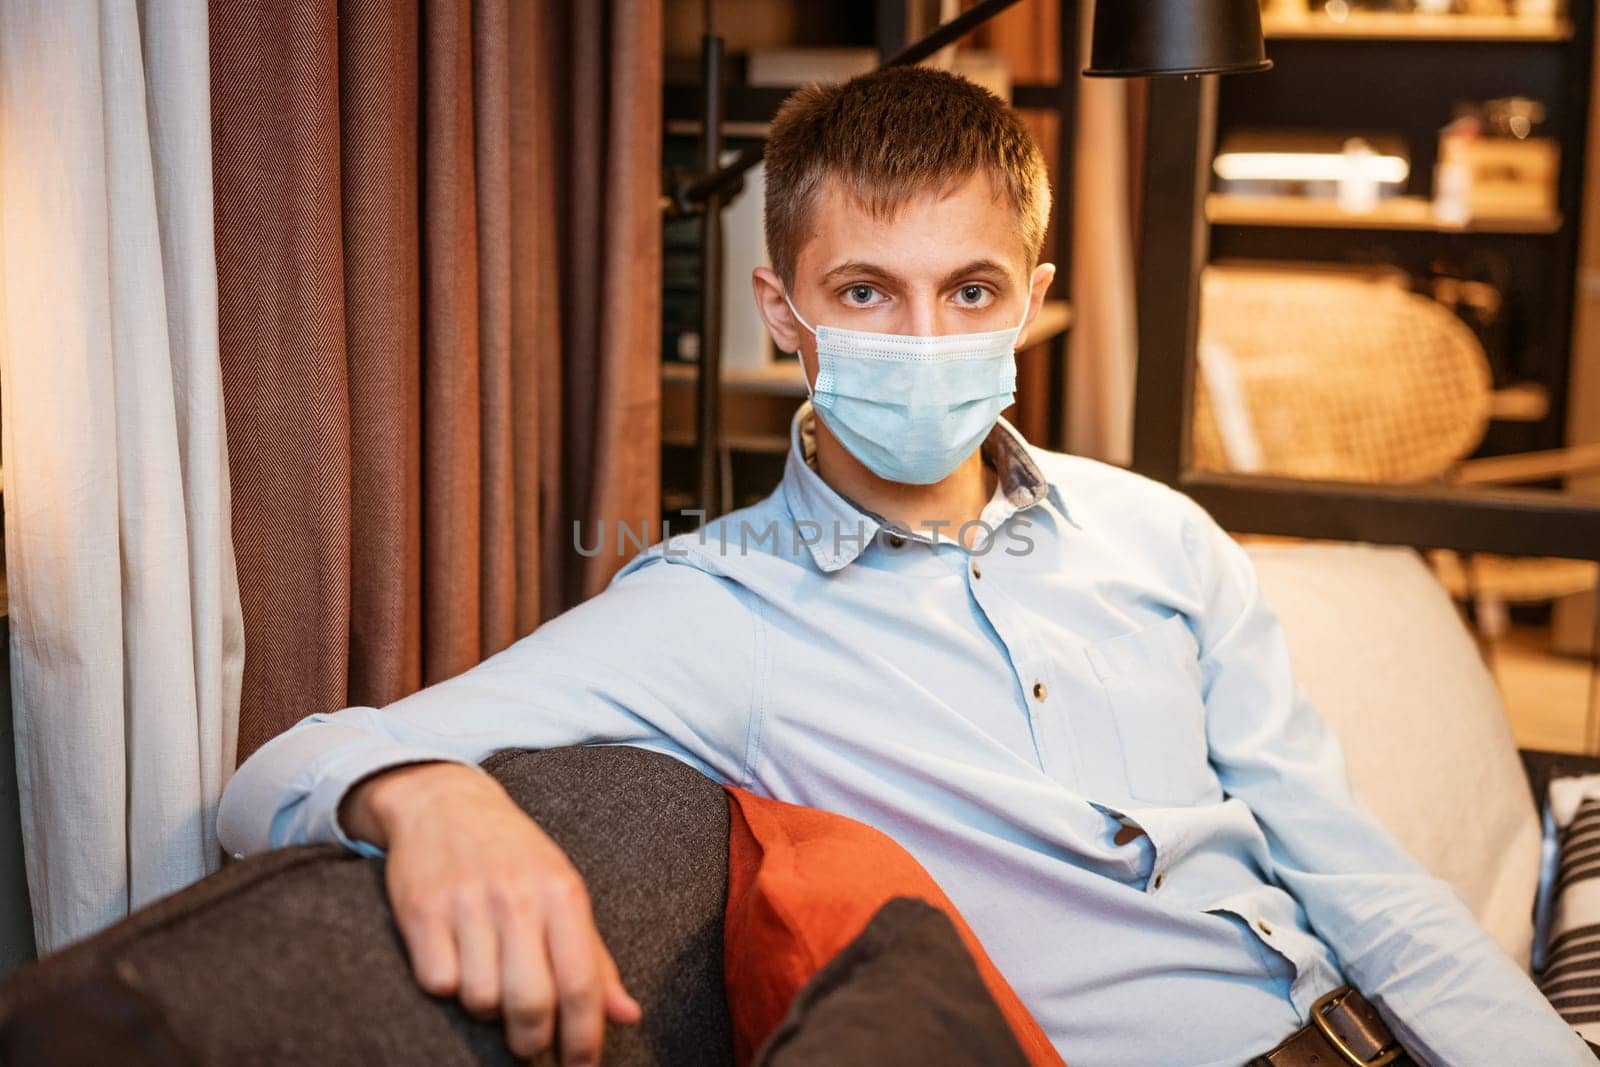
x=126, y=641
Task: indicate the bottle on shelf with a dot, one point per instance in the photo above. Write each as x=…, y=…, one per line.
x=1452, y=175
x=1358, y=184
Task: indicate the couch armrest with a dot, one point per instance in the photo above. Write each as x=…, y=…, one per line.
x=292, y=956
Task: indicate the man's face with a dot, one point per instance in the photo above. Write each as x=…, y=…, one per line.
x=952, y=264
x=940, y=265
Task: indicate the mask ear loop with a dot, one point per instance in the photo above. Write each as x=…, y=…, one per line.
x=809, y=394
x=1016, y=338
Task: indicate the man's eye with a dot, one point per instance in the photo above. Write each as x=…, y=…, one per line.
x=860, y=294
x=973, y=294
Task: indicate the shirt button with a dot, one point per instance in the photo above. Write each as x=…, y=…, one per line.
x=1039, y=691
x=1261, y=924
x=976, y=573
x=238, y=855
x=896, y=541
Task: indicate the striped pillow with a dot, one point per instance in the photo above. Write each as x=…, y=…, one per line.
x=1571, y=975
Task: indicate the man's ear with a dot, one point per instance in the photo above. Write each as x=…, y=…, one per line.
x=774, y=309
x=1038, y=286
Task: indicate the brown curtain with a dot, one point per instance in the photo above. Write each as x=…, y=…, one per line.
x=439, y=283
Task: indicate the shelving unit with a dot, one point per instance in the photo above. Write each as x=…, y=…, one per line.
x=1385, y=26
x=1402, y=75
x=1396, y=213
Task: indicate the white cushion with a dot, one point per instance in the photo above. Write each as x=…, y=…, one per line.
x=1382, y=653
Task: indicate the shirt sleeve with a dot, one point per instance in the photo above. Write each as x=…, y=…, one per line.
x=1404, y=938
x=664, y=658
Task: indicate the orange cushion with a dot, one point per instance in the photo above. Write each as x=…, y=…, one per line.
x=803, y=884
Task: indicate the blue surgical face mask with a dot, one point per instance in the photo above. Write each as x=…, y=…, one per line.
x=911, y=408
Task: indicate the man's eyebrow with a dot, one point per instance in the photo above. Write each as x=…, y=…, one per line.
x=977, y=266
x=872, y=270
x=860, y=267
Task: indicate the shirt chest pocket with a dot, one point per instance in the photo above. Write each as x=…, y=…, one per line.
x=1152, y=684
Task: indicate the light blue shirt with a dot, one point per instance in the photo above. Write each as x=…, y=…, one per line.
x=1099, y=668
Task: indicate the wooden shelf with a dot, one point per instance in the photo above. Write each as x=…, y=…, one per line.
x=1382, y=26
x=772, y=444
x=774, y=379
x=1396, y=213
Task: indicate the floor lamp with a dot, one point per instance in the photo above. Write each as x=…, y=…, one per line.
x=1181, y=46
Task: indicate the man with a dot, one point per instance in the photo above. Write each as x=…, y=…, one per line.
x=1053, y=681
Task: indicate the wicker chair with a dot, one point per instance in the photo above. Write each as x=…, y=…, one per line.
x=1347, y=377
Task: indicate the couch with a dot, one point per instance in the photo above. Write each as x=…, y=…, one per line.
x=292, y=956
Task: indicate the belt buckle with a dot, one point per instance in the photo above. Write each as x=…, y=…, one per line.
x=1332, y=1000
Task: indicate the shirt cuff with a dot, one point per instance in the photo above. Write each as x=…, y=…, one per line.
x=258, y=813
x=355, y=844
x=347, y=773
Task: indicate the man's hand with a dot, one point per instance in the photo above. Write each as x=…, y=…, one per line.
x=490, y=908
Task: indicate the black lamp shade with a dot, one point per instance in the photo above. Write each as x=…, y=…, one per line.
x=1155, y=38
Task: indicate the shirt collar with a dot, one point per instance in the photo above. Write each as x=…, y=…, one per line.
x=811, y=499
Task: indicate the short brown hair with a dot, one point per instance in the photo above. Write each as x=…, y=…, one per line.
x=888, y=136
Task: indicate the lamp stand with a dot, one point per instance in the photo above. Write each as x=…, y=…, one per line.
x=1174, y=243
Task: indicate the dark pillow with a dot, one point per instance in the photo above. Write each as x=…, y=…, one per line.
x=905, y=991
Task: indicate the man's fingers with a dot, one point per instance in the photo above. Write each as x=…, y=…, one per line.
x=528, y=989
x=479, y=948
x=620, y=1007
x=580, y=977
x=431, y=944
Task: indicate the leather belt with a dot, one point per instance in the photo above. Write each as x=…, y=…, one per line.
x=1344, y=1030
